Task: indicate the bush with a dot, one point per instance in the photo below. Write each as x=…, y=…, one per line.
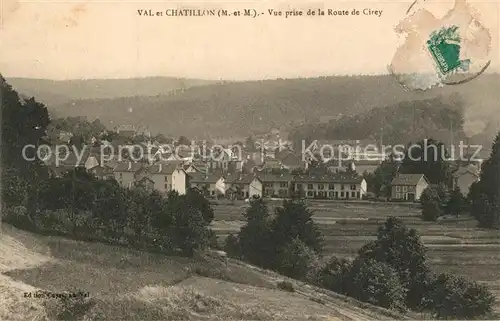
x=232, y=247
x=18, y=217
x=456, y=297
x=286, y=286
x=431, y=204
x=190, y=229
x=70, y=306
x=404, y=251
x=295, y=259
x=377, y=283
x=213, y=242
x=331, y=274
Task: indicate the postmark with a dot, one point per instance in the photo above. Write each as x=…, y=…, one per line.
x=449, y=50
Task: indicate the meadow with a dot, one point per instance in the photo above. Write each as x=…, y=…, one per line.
x=454, y=244
x=126, y=284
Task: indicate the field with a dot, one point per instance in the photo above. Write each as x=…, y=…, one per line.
x=454, y=245
x=132, y=285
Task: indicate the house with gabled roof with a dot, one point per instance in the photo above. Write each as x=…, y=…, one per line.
x=408, y=187
x=238, y=185
x=126, y=172
x=464, y=177
x=168, y=177
x=210, y=184
x=366, y=165
x=275, y=185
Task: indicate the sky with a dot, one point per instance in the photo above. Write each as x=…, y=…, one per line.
x=108, y=39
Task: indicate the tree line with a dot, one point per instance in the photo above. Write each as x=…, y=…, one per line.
x=442, y=196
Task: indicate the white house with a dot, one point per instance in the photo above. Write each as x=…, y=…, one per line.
x=408, y=187
x=255, y=188
x=275, y=185
x=238, y=185
x=168, y=177
x=337, y=186
x=211, y=184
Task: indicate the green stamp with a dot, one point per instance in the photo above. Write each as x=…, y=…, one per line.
x=444, y=46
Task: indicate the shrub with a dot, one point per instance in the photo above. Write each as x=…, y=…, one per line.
x=404, y=251
x=431, y=204
x=330, y=273
x=334, y=274
x=456, y=297
x=190, y=229
x=377, y=283
x=70, y=306
x=294, y=220
x=213, y=242
x=255, y=238
x=18, y=217
x=286, y=286
x=232, y=246
x=295, y=259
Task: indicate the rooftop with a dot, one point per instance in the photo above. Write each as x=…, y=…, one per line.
x=407, y=179
x=196, y=177
x=130, y=167
x=329, y=178
x=164, y=168
x=472, y=169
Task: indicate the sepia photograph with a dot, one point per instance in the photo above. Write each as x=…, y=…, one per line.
x=235, y=160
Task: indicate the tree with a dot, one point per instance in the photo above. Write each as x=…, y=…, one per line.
x=453, y=297
x=485, y=195
x=255, y=238
x=455, y=203
x=377, y=283
x=434, y=200
x=189, y=228
x=183, y=140
x=332, y=274
x=250, y=144
x=294, y=259
x=232, y=246
x=294, y=220
x=428, y=157
x=431, y=204
x=383, y=176
x=402, y=249
x=24, y=124
x=110, y=207
x=199, y=201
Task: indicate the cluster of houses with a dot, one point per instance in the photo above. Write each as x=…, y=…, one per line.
x=266, y=172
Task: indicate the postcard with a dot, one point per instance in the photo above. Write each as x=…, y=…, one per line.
x=250, y=160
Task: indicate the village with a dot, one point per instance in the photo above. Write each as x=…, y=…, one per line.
x=271, y=168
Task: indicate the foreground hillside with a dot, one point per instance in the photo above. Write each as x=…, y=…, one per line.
x=130, y=285
x=453, y=245
x=236, y=109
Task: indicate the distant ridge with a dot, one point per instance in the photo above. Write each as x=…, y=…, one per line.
x=61, y=91
x=202, y=109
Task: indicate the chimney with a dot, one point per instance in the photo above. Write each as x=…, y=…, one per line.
x=159, y=168
x=129, y=165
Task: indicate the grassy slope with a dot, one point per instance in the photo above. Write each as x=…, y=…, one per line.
x=455, y=245
x=131, y=285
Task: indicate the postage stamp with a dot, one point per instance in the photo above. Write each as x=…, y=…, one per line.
x=444, y=46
